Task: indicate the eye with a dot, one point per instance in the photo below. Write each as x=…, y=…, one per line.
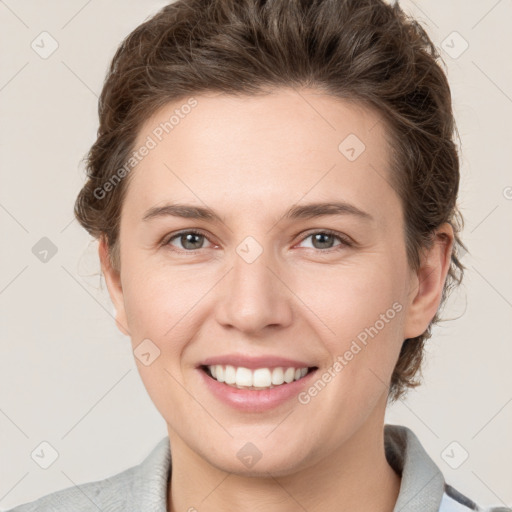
x=189, y=240
x=324, y=240
x=193, y=240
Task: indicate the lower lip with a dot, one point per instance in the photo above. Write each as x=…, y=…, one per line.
x=252, y=400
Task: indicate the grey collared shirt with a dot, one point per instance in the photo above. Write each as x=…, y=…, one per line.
x=143, y=488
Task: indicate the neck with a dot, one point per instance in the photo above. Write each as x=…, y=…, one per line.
x=356, y=477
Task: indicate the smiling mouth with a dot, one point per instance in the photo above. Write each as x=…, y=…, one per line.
x=258, y=379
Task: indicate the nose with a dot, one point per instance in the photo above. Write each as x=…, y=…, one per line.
x=254, y=296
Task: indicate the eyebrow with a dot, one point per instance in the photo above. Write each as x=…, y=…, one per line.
x=307, y=211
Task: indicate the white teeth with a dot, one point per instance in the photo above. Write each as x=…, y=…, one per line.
x=261, y=378
x=243, y=377
x=229, y=374
x=289, y=375
x=277, y=376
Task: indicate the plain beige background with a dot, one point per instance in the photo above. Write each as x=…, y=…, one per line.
x=67, y=375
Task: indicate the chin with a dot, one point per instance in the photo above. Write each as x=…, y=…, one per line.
x=248, y=461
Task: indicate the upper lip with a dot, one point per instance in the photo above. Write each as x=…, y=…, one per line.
x=253, y=363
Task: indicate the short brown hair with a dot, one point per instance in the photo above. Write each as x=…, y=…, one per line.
x=362, y=50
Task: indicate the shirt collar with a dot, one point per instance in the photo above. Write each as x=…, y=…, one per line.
x=422, y=485
x=421, y=488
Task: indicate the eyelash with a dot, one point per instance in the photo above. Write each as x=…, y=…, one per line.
x=344, y=241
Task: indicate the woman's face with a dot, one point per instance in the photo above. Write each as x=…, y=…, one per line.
x=267, y=277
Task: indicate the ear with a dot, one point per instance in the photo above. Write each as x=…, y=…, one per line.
x=115, y=289
x=428, y=283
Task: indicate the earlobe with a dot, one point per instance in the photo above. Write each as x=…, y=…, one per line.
x=114, y=286
x=427, y=289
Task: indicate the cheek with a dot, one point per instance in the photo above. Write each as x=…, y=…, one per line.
x=347, y=299
x=161, y=303
x=358, y=313
x=149, y=290
x=161, y=307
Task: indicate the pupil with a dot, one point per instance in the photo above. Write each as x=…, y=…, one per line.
x=189, y=239
x=321, y=237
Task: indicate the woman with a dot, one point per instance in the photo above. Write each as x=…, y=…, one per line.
x=274, y=188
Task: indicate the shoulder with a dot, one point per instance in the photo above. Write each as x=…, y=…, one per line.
x=423, y=487
x=107, y=494
x=140, y=487
x=454, y=501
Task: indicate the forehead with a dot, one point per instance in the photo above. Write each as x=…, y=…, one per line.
x=234, y=152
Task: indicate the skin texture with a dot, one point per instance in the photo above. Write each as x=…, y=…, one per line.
x=250, y=159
